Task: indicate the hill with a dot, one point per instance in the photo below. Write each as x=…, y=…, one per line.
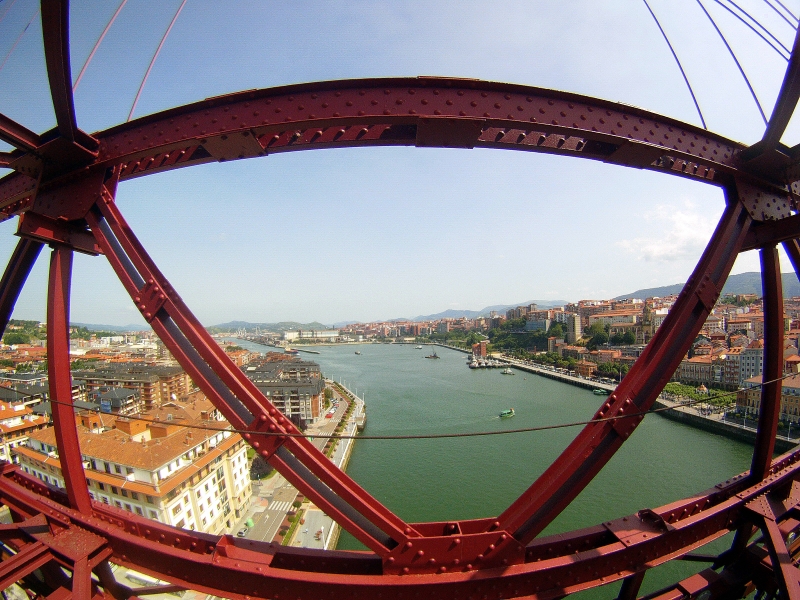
x=743, y=283
x=232, y=326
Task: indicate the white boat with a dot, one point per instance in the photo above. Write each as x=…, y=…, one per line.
x=507, y=371
x=418, y=348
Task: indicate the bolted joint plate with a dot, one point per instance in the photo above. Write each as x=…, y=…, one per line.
x=641, y=527
x=265, y=445
x=457, y=553
x=764, y=204
x=150, y=299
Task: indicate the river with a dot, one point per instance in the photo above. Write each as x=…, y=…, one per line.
x=466, y=478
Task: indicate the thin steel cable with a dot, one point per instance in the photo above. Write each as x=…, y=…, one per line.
x=97, y=45
x=677, y=60
x=19, y=37
x=422, y=436
x=754, y=30
x=155, y=56
x=736, y=60
x=8, y=8
x=796, y=20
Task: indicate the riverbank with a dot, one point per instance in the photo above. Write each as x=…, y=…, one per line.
x=715, y=422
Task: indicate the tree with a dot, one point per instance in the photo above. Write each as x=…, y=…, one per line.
x=629, y=338
x=14, y=338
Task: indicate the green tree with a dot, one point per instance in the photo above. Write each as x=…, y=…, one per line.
x=14, y=338
x=629, y=338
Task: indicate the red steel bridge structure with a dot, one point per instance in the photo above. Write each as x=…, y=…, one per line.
x=62, y=190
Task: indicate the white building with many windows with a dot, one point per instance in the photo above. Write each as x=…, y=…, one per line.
x=190, y=473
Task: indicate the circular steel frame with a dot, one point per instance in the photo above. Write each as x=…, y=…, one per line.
x=63, y=188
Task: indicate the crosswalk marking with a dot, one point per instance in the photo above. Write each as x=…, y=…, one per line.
x=281, y=506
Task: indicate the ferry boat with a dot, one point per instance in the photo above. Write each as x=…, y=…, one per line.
x=507, y=371
x=434, y=355
x=600, y=392
x=509, y=412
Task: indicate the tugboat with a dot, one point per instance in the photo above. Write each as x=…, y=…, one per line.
x=434, y=355
x=509, y=412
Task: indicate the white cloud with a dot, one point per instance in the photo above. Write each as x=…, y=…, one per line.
x=679, y=234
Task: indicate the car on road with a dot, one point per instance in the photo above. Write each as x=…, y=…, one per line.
x=242, y=532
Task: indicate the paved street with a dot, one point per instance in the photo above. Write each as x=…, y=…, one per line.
x=273, y=497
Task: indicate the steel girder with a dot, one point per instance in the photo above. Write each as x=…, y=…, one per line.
x=63, y=189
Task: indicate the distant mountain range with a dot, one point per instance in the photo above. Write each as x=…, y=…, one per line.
x=743, y=283
x=276, y=327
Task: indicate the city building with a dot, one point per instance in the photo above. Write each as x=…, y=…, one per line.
x=17, y=422
x=175, y=471
x=154, y=383
x=293, y=386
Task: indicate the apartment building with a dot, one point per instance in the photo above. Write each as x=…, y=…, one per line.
x=170, y=471
x=295, y=387
x=155, y=384
x=17, y=422
x=748, y=399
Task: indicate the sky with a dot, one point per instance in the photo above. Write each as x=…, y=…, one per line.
x=366, y=234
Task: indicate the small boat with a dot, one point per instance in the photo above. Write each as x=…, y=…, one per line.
x=600, y=392
x=357, y=352
x=509, y=412
x=418, y=348
x=434, y=355
x=507, y=371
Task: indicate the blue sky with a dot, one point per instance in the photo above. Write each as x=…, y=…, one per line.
x=368, y=234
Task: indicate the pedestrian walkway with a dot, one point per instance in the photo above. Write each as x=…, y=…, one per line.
x=281, y=506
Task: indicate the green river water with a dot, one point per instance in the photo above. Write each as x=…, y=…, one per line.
x=467, y=478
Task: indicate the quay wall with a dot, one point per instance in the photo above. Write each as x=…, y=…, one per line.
x=670, y=410
x=686, y=416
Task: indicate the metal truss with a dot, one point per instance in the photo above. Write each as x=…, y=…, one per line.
x=63, y=188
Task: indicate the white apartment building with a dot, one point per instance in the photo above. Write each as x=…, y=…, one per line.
x=167, y=471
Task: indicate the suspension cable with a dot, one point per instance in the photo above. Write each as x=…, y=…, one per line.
x=677, y=60
x=97, y=45
x=155, y=56
x=8, y=8
x=19, y=37
x=741, y=70
x=782, y=16
x=754, y=30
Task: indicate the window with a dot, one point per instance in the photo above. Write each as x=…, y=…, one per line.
x=117, y=503
x=139, y=511
x=101, y=486
x=114, y=490
x=128, y=507
x=124, y=492
x=149, y=499
x=176, y=509
x=134, y=496
x=153, y=514
x=118, y=469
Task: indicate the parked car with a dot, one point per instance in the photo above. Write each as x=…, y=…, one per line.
x=242, y=532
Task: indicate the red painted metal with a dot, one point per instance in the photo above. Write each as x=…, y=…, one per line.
x=773, y=363
x=17, y=271
x=58, y=373
x=64, y=184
